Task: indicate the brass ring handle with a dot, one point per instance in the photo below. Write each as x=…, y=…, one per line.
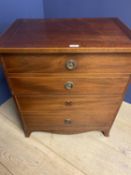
x=67, y=121
x=68, y=103
x=71, y=64
x=69, y=85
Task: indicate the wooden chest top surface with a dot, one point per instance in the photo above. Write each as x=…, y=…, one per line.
x=66, y=35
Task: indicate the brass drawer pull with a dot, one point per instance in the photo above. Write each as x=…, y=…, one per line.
x=68, y=103
x=67, y=121
x=69, y=85
x=71, y=64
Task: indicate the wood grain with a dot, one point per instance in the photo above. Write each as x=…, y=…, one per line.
x=92, y=35
x=85, y=114
x=4, y=170
x=87, y=104
x=34, y=56
x=56, y=63
x=50, y=85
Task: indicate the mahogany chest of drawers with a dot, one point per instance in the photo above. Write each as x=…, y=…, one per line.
x=67, y=75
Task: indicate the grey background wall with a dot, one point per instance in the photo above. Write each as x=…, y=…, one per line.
x=10, y=10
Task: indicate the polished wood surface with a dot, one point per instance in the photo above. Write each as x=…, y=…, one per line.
x=85, y=113
x=56, y=85
x=67, y=76
x=89, y=104
x=56, y=63
x=56, y=35
x=56, y=123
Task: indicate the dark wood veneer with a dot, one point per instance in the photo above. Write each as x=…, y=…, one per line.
x=55, y=85
x=34, y=55
x=56, y=63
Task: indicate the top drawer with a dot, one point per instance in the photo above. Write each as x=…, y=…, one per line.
x=67, y=63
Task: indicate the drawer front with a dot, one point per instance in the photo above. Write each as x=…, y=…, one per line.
x=42, y=121
x=51, y=113
x=73, y=104
x=70, y=85
x=61, y=63
x=62, y=124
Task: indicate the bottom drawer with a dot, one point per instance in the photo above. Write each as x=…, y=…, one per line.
x=64, y=124
x=71, y=120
